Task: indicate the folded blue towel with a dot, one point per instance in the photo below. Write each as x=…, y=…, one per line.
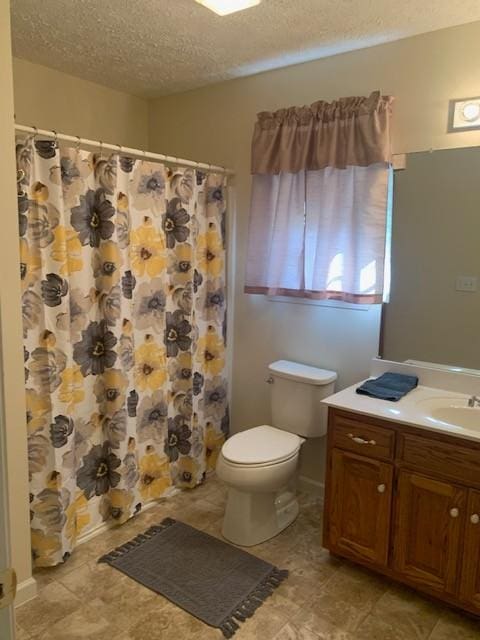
x=389, y=386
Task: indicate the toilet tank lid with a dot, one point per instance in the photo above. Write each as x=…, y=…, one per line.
x=302, y=372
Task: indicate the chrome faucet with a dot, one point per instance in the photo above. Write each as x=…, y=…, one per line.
x=474, y=401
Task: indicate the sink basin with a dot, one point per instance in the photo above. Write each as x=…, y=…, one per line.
x=466, y=417
x=451, y=411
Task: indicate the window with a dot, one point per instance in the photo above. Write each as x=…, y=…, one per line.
x=319, y=221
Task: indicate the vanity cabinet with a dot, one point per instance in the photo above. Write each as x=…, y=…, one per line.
x=405, y=502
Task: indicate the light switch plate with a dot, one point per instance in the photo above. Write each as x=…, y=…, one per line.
x=466, y=283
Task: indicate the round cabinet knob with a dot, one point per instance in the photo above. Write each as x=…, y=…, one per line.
x=381, y=488
x=454, y=512
x=474, y=518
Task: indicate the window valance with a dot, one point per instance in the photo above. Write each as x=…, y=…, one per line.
x=347, y=132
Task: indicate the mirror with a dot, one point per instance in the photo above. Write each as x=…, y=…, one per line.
x=435, y=254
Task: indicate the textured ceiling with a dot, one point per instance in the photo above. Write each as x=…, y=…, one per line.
x=155, y=47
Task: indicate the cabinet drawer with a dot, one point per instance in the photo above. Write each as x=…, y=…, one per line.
x=364, y=438
x=445, y=459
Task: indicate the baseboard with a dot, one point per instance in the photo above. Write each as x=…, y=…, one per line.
x=311, y=486
x=93, y=533
x=104, y=526
x=26, y=590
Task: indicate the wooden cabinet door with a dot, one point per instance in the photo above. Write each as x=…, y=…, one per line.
x=470, y=578
x=360, y=503
x=429, y=520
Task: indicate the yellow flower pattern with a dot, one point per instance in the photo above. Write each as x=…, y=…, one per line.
x=213, y=445
x=30, y=263
x=45, y=548
x=210, y=253
x=39, y=407
x=150, y=368
x=211, y=352
x=67, y=250
x=72, y=390
x=78, y=517
x=154, y=475
x=187, y=471
x=148, y=250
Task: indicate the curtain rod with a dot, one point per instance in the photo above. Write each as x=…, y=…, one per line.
x=145, y=155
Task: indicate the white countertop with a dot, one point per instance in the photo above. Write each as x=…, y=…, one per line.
x=410, y=410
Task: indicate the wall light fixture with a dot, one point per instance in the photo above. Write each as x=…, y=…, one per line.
x=464, y=114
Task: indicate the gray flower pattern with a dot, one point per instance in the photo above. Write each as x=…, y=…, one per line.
x=92, y=217
x=94, y=352
x=98, y=471
x=149, y=305
x=60, y=430
x=177, y=333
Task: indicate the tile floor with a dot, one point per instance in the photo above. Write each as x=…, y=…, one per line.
x=322, y=599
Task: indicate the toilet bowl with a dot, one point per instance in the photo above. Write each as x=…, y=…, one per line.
x=259, y=465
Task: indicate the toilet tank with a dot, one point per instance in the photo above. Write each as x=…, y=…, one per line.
x=296, y=394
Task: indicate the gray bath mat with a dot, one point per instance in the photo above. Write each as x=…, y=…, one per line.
x=214, y=581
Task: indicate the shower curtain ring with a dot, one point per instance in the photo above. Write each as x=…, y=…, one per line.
x=101, y=147
x=79, y=141
x=34, y=134
x=55, y=137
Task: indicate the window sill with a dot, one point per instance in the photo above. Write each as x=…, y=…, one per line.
x=333, y=304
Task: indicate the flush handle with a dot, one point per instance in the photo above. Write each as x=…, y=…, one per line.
x=269, y=380
x=454, y=512
x=381, y=488
x=360, y=440
x=474, y=518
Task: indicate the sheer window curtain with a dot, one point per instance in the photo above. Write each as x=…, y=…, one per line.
x=319, y=201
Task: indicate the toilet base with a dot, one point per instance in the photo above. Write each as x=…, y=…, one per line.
x=252, y=518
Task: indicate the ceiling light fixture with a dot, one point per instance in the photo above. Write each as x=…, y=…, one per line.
x=224, y=7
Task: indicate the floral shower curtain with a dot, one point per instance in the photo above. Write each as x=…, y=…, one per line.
x=123, y=274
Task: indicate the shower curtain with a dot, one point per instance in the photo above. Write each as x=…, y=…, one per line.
x=123, y=277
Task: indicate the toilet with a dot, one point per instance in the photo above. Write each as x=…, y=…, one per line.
x=258, y=465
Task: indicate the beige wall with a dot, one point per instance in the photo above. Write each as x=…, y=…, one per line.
x=11, y=323
x=436, y=234
x=215, y=124
x=50, y=99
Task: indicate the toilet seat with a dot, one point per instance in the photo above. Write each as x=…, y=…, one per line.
x=259, y=465
x=261, y=446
